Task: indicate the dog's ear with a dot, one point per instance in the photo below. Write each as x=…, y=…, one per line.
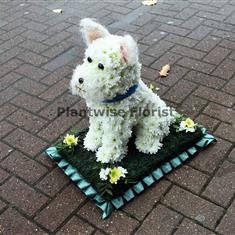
x=92, y=30
x=129, y=50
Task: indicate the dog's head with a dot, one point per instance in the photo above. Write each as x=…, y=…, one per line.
x=110, y=65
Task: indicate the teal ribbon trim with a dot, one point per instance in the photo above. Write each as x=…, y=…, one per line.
x=108, y=206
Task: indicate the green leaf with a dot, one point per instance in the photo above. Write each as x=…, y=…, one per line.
x=109, y=192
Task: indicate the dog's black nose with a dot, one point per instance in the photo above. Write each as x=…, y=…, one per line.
x=80, y=80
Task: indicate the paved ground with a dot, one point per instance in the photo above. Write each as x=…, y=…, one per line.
x=39, y=49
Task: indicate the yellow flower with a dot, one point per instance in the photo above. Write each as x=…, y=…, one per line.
x=70, y=140
x=115, y=174
x=151, y=87
x=189, y=123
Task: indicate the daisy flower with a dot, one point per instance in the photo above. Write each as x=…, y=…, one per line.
x=70, y=140
x=187, y=125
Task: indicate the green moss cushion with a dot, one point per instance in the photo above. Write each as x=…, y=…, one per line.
x=143, y=169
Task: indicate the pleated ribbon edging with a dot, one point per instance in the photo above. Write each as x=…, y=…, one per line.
x=108, y=206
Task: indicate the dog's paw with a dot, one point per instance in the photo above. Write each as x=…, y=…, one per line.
x=91, y=144
x=106, y=154
x=150, y=147
x=103, y=155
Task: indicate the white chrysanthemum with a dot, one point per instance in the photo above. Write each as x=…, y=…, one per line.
x=92, y=141
x=113, y=141
x=104, y=173
x=123, y=171
x=105, y=154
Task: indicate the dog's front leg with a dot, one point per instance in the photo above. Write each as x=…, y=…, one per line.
x=114, y=142
x=93, y=137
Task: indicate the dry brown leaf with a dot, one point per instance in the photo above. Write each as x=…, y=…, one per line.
x=58, y=11
x=149, y=2
x=164, y=71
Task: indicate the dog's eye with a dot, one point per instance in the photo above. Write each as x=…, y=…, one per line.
x=89, y=59
x=100, y=66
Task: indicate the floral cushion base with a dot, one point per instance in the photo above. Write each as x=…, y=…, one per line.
x=143, y=169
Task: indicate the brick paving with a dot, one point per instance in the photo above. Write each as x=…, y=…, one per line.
x=38, y=51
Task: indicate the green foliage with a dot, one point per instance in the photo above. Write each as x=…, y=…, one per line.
x=137, y=164
x=105, y=187
x=179, y=118
x=128, y=180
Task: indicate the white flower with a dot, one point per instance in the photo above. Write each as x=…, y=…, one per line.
x=124, y=171
x=112, y=141
x=105, y=154
x=104, y=173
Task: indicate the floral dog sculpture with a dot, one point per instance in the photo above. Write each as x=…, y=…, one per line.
x=109, y=80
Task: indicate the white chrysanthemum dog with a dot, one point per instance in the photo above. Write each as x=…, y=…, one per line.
x=109, y=79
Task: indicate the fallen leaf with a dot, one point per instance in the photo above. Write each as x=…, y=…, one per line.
x=149, y=2
x=58, y=11
x=164, y=71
